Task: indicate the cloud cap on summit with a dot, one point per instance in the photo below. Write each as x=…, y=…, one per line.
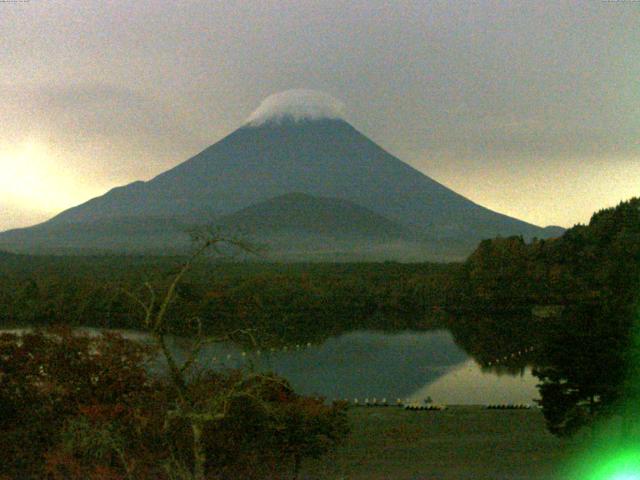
x=297, y=104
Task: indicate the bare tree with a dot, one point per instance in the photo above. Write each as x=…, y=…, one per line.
x=155, y=309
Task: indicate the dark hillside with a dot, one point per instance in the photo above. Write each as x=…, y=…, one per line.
x=298, y=212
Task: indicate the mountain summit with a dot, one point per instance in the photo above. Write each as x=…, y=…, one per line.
x=295, y=142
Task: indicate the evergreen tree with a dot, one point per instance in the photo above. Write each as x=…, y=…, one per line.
x=590, y=358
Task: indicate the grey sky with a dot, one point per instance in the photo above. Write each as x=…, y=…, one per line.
x=530, y=108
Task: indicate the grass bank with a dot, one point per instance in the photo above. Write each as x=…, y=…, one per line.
x=460, y=443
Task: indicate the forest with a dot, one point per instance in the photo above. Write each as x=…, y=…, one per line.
x=281, y=303
x=587, y=350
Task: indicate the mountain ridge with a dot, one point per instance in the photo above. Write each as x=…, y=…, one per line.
x=325, y=158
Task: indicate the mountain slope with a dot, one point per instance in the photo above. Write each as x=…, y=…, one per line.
x=318, y=157
x=326, y=158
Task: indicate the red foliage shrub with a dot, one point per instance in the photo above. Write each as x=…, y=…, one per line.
x=47, y=378
x=75, y=407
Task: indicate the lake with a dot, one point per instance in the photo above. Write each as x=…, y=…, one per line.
x=364, y=364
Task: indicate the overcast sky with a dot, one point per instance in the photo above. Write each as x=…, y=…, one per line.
x=531, y=108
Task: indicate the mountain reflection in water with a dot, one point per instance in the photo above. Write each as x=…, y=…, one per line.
x=366, y=364
x=468, y=384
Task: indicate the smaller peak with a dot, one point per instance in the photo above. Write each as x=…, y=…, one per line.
x=296, y=105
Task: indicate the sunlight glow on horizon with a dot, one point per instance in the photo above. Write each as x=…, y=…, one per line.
x=563, y=195
x=33, y=181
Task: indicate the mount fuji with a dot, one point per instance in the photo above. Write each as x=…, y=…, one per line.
x=299, y=178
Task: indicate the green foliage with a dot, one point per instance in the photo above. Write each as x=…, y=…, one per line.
x=590, y=350
x=497, y=273
x=584, y=354
x=282, y=303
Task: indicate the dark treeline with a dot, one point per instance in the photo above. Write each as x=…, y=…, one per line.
x=586, y=285
x=505, y=280
x=279, y=302
x=589, y=264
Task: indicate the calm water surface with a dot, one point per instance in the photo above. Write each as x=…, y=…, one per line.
x=363, y=364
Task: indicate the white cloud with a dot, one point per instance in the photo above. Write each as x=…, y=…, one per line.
x=297, y=104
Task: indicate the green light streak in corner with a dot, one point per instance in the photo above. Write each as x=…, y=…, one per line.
x=613, y=465
x=614, y=455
